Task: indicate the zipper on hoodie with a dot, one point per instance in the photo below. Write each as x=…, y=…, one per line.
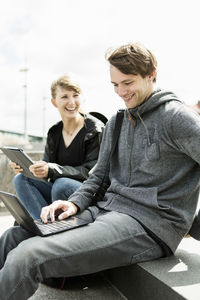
x=132, y=124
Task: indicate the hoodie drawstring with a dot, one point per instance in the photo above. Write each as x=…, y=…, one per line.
x=146, y=129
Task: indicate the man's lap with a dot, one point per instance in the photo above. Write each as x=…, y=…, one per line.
x=113, y=239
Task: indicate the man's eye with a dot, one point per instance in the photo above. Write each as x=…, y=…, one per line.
x=128, y=83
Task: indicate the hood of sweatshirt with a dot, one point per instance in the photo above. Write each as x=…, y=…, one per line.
x=157, y=98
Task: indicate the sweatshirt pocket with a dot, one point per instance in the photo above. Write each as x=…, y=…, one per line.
x=152, y=151
x=151, y=145
x=144, y=197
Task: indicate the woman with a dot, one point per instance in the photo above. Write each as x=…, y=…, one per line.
x=70, y=153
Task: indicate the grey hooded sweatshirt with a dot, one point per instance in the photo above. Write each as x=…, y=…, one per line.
x=154, y=175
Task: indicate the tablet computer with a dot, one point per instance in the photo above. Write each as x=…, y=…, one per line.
x=18, y=156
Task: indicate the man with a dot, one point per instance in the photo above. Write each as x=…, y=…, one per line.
x=152, y=195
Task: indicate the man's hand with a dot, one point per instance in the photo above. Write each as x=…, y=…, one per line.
x=16, y=168
x=40, y=169
x=67, y=209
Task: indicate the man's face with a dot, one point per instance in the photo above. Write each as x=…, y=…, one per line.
x=67, y=102
x=133, y=89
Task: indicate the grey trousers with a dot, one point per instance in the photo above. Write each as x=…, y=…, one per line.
x=113, y=239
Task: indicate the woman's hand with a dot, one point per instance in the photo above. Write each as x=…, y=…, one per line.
x=66, y=209
x=40, y=169
x=16, y=168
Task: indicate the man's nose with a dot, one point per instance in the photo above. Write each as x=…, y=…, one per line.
x=122, y=91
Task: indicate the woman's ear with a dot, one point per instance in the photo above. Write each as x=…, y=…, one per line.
x=53, y=101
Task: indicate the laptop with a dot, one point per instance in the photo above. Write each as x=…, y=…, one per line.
x=37, y=227
x=22, y=159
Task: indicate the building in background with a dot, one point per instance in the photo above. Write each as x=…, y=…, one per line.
x=16, y=139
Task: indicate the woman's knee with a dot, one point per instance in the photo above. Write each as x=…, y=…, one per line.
x=63, y=188
x=58, y=189
x=18, y=180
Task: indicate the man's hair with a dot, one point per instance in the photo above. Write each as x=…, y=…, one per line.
x=133, y=59
x=67, y=83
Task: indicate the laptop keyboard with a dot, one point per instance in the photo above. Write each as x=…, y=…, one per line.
x=55, y=226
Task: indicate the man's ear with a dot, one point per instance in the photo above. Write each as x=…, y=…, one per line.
x=53, y=101
x=153, y=75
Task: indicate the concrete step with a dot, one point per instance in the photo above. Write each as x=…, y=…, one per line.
x=94, y=287
x=173, y=278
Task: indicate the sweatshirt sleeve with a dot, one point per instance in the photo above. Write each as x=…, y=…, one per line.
x=83, y=196
x=185, y=132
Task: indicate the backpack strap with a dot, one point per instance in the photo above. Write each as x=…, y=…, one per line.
x=99, y=116
x=117, y=129
x=118, y=123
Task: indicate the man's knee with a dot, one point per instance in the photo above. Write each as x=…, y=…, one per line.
x=10, y=239
x=25, y=251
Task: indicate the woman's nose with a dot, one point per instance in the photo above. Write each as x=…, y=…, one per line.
x=71, y=100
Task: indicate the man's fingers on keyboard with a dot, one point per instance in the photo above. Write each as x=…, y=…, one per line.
x=64, y=215
x=68, y=213
x=52, y=213
x=44, y=214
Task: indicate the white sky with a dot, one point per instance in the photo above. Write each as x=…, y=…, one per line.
x=53, y=37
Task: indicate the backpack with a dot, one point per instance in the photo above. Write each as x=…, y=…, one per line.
x=99, y=116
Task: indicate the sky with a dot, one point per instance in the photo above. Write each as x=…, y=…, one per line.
x=50, y=38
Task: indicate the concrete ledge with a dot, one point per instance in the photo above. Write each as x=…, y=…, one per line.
x=173, y=278
x=89, y=287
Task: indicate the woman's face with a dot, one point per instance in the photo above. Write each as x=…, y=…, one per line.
x=67, y=102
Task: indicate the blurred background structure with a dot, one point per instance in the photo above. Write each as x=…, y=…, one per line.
x=33, y=146
x=45, y=39
x=41, y=40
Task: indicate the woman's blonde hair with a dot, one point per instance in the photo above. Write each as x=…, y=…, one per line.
x=66, y=82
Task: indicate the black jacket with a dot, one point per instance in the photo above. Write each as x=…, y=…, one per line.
x=94, y=128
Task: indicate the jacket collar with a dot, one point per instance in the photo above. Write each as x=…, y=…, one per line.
x=92, y=125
